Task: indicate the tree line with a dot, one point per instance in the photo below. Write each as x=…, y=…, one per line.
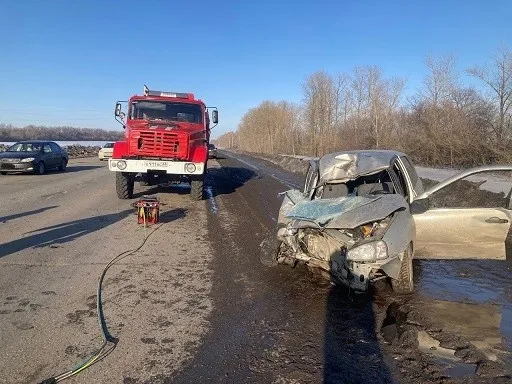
x=32, y=132
x=445, y=122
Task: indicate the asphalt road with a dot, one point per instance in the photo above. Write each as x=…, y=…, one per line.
x=195, y=304
x=57, y=233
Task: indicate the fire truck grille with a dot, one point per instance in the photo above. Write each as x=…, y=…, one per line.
x=162, y=144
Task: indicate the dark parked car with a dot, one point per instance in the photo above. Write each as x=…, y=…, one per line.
x=33, y=156
x=212, y=151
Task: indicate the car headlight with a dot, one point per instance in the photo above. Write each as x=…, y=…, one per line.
x=376, y=250
x=121, y=165
x=27, y=159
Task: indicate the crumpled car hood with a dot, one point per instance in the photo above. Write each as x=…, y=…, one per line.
x=342, y=212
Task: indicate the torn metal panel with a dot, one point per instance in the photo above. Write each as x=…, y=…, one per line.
x=343, y=166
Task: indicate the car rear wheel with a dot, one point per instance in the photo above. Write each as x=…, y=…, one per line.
x=403, y=283
x=3, y=173
x=63, y=165
x=40, y=168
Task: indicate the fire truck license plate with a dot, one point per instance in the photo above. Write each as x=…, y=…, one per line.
x=155, y=164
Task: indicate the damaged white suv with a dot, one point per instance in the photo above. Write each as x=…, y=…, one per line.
x=363, y=215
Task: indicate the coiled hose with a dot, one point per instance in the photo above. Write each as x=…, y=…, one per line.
x=107, y=338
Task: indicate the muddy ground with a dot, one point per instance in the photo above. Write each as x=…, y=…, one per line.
x=456, y=328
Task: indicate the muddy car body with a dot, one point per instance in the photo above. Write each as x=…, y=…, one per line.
x=363, y=215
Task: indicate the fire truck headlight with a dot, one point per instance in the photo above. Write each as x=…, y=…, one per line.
x=190, y=168
x=121, y=164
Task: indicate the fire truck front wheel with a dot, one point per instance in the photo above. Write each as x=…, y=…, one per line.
x=124, y=185
x=196, y=188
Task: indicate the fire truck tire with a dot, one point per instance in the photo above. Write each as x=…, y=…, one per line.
x=196, y=189
x=124, y=185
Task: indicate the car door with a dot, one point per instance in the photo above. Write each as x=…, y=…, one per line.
x=57, y=154
x=464, y=217
x=48, y=156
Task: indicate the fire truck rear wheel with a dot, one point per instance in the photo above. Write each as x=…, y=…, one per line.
x=124, y=185
x=196, y=189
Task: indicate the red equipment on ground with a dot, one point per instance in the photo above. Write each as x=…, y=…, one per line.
x=148, y=210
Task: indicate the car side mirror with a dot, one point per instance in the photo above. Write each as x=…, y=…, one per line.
x=420, y=206
x=215, y=116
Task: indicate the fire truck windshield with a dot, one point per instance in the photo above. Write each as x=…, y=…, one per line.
x=172, y=111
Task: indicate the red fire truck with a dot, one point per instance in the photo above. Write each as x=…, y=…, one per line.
x=166, y=140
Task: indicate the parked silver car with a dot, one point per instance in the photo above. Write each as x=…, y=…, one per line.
x=364, y=215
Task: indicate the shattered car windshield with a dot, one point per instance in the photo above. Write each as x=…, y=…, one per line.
x=171, y=111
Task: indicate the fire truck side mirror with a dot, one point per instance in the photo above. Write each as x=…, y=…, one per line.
x=215, y=116
x=118, y=110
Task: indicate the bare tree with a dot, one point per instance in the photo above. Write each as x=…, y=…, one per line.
x=497, y=76
x=447, y=123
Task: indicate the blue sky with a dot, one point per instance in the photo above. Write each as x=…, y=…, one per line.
x=67, y=62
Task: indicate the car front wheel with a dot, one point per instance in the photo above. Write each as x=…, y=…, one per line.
x=63, y=164
x=403, y=283
x=40, y=168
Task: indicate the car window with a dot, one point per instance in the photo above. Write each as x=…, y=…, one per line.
x=25, y=147
x=410, y=170
x=55, y=147
x=109, y=145
x=413, y=175
x=481, y=190
x=401, y=179
x=47, y=148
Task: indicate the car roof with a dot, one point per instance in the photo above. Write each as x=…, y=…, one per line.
x=381, y=154
x=346, y=165
x=36, y=141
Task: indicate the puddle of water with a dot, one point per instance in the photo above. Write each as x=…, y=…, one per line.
x=462, y=280
x=444, y=356
x=476, y=296
x=457, y=369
